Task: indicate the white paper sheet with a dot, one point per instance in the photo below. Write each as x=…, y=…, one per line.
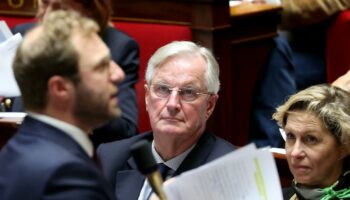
x=238, y=2
x=5, y=32
x=278, y=150
x=235, y=2
x=12, y=114
x=246, y=173
x=8, y=84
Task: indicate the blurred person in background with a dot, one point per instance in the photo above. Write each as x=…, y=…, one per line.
x=296, y=62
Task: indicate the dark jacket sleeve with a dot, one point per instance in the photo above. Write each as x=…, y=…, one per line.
x=23, y=28
x=300, y=13
x=288, y=193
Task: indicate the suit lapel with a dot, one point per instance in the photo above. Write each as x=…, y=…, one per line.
x=199, y=154
x=129, y=182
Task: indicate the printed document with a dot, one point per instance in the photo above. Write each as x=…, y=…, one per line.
x=8, y=84
x=247, y=173
x=5, y=32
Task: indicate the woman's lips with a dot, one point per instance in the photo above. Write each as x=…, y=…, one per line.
x=300, y=168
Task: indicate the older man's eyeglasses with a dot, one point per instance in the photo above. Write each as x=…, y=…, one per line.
x=186, y=94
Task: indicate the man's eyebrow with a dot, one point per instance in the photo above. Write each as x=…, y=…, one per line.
x=104, y=61
x=107, y=58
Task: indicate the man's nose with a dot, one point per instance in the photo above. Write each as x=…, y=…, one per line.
x=174, y=100
x=116, y=73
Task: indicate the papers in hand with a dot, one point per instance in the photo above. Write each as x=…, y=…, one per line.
x=8, y=47
x=5, y=32
x=247, y=173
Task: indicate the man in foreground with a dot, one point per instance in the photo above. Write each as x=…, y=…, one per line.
x=67, y=80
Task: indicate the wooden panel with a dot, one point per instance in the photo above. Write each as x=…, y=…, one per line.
x=168, y=12
x=242, y=57
x=18, y=7
x=240, y=38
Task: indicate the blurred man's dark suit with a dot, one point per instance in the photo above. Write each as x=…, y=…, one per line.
x=57, y=162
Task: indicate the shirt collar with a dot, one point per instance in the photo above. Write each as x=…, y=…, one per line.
x=74, y=132
x=175, y=162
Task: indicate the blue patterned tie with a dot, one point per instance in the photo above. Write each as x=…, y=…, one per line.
x=164, y=170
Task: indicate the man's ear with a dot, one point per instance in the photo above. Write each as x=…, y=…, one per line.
x=211, y=105
x=59, y=87
x=146, y=95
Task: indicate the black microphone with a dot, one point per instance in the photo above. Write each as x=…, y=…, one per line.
x=141, y=151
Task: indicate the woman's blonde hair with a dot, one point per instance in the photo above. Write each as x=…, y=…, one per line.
x=330, y=104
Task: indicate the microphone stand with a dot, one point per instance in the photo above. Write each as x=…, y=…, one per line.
x=157, y=181
x=147, y=165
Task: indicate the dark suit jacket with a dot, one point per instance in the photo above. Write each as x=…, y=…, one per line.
x=42, y=162
x=288, y=193
x=125, y=52
x=121, y=171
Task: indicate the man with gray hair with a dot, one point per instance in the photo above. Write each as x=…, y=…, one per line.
x=68, y=84
x=181, y=92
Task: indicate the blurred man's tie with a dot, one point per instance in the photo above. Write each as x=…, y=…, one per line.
x=165, y=171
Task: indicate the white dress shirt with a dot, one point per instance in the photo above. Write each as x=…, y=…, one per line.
x=173, y=163
x=74, y=132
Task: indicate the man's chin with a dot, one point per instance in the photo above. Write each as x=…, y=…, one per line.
x=171, y=129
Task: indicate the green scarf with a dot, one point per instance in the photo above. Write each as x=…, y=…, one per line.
x=339, y=190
